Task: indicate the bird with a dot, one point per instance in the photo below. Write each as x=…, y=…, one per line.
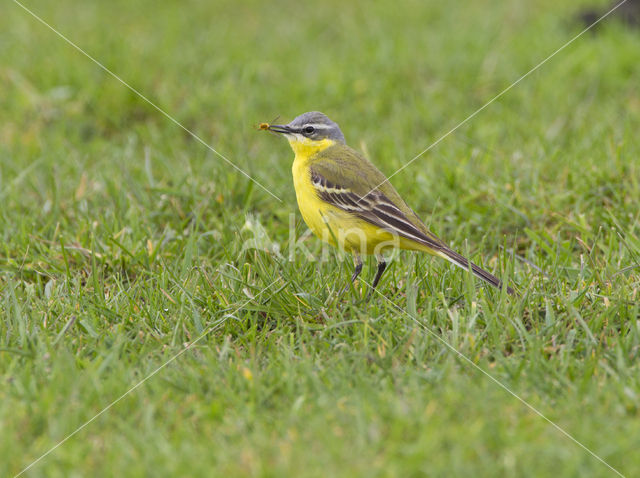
x=348, y=202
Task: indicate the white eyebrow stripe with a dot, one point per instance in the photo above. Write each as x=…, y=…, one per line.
x=317, y=125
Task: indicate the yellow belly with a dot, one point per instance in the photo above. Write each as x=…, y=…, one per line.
x=338, y=227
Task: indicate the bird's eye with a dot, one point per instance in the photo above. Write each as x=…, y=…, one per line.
x=309, y=129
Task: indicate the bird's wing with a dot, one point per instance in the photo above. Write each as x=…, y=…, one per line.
x=347, y=180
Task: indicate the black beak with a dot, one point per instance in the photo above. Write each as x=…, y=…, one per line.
x=280, y=128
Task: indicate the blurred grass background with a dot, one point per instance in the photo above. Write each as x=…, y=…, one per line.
x=121, y=241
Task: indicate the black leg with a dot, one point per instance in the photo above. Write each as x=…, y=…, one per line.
x=382, y=265
x=356, y=273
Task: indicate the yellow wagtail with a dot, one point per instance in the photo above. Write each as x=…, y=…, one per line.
x=346, y=201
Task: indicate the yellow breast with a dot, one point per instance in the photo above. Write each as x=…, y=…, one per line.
x=329, y=223
x=315, y=212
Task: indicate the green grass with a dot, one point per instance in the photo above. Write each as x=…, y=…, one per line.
x=121, y=241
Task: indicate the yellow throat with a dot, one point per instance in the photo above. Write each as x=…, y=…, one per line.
x=305, y=148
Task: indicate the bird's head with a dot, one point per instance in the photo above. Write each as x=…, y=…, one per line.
x=310, y=132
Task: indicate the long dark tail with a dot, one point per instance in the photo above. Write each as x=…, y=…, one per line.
x=462, y=262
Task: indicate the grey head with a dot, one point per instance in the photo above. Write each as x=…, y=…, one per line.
x=313, y=125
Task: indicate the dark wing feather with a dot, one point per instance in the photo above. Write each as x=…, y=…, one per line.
x=375, y=208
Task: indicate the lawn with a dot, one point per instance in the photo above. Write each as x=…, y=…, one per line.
x=125, y=241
